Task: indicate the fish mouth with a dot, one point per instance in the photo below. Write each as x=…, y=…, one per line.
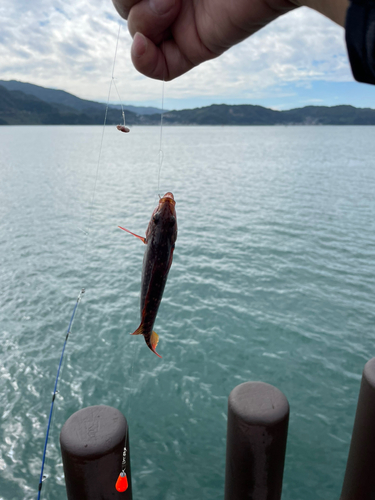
x=168, y=197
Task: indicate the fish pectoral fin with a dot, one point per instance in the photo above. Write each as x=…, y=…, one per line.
x=139, y=330
x=136, y=235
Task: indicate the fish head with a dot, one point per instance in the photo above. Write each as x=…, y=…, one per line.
x=168, y=196
x=164, y=220
x=167, y=208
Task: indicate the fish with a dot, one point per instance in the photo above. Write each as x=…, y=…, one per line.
x=160, y=239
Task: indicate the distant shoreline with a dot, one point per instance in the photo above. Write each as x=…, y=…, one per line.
x=186, y=125
x=26, y=104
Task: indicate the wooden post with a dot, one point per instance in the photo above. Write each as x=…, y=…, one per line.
x=258, y=416
x=359, y=481
x=92, y=443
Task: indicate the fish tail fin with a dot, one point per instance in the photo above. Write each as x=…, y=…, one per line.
x=153, y=342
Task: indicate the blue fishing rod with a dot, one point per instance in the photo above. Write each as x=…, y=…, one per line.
x=122, y=478
x=55, y=389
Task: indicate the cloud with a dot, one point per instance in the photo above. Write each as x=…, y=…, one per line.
x=70, y=45
x=299, y=47
x=65, y=45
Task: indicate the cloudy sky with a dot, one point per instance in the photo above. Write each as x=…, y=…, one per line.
x=298, y=60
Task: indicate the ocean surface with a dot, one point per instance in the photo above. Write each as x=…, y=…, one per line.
x=273, y=279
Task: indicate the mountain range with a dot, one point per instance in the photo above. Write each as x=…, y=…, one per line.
x=23, y=103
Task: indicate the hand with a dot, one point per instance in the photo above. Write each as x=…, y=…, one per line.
x=333, y=9
x=173, y=36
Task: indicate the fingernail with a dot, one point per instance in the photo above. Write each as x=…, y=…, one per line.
x=139, y=45
x=161, y=7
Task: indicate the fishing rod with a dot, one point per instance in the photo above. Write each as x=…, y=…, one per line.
x=55, y=389
x=42, y=477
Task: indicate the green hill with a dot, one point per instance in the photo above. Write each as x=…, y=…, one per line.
x=258, y=115
x=52, y=96
x=60, y=97
x=34, y=105
x=18, y=108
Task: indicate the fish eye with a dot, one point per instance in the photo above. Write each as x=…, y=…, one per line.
x=156, y=217
x=172, y=220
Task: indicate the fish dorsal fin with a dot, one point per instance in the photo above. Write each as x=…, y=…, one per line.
x=136, y=235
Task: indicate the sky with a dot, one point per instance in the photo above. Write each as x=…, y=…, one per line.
x=298, y=60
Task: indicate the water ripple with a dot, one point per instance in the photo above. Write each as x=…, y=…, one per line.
x=273, y=279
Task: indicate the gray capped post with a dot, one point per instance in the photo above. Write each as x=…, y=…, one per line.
x=258, y=416
x=359, y=481
x=92, y=444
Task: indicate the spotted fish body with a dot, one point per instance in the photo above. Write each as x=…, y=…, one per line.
x=160, y=239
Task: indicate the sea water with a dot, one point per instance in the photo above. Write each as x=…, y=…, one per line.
x=273, y=279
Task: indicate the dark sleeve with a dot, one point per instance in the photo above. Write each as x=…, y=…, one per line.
x=360, y=39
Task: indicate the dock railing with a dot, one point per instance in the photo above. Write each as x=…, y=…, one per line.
x=93, y=440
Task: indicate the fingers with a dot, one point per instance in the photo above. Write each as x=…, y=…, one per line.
x=161, y=63
x=123, y=6
x=162, y=49
x=152, y=18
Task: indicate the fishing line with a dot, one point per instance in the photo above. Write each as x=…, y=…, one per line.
x=122, y=107
x=42, y=477
x=122, y=482
x=161, y=154
x=102, y=137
